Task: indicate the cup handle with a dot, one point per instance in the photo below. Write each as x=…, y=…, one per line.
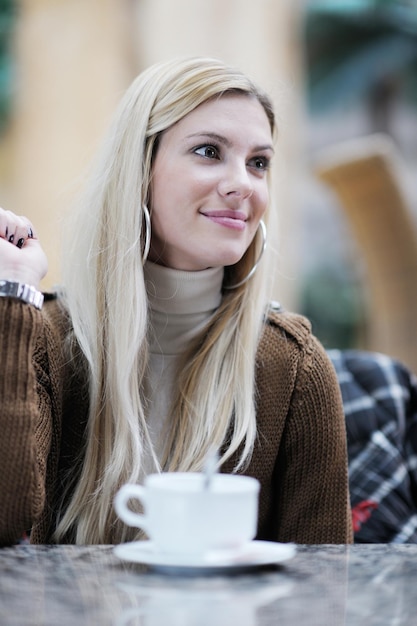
x=121, y=500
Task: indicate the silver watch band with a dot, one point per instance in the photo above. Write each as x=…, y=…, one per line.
x=23, y=292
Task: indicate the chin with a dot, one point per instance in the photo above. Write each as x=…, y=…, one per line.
x=228, y=258
x=220, y=257
x=232, y=261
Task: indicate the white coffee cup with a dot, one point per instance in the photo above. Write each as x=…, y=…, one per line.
x=182, y=515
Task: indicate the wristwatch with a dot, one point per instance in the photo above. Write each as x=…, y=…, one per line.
x=23, y=292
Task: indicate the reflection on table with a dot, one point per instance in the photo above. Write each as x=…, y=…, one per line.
x=321, y=585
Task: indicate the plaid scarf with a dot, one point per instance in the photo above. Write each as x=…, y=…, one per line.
x=380, y=403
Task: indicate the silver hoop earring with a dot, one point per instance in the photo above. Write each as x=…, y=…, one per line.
x=147, y=233
x=262, y=228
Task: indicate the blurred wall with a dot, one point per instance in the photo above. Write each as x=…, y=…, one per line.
x=76, y=57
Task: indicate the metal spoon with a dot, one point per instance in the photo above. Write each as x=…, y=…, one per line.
x=210, y=466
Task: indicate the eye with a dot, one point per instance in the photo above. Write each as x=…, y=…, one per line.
x=260, y=163
x=208, y=151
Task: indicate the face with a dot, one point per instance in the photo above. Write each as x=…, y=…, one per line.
x=209, y=185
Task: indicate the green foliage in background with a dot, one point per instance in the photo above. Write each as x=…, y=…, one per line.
x=332, y=301
x=7, y=21
x=363, y=53
x=360, y=49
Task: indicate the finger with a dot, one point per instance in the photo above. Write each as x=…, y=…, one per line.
x=22, y=233
x=15, y=229
x=8, y=224
x=27, y=229
x=4, y=224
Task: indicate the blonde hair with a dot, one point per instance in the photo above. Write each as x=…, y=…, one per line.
x=107, y=301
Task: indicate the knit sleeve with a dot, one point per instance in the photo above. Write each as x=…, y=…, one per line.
x=312, y=464
x=25, y=419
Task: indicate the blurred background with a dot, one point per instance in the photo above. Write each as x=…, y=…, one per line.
x=343, y=76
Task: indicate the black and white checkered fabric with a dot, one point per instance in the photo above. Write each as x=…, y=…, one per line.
x=380, y=403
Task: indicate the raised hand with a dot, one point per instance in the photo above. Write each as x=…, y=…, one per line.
x=22, y=258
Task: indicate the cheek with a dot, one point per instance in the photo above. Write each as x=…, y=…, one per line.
x=262, y=200
x=166, y=190
x=165, y=215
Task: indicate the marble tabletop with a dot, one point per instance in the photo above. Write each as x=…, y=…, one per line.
x=372, y=585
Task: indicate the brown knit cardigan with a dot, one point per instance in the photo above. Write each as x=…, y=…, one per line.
x=300, y=454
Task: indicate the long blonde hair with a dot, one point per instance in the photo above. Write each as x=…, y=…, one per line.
x=107, y=301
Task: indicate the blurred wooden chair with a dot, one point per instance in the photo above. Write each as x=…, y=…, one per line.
x=365, y=175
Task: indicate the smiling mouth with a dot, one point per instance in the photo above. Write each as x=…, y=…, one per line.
x=235, y=221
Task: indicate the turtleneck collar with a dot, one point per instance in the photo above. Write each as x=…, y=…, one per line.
x=180, y=304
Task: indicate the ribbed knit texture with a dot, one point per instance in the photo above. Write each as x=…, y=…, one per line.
x=180, y=305
x=17, y=392
x=300, y=457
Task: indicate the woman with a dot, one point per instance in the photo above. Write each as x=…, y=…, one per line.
x=162, y=343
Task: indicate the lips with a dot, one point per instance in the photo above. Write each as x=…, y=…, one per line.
x=230, y=219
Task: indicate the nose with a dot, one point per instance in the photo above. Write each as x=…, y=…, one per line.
x=235, y=182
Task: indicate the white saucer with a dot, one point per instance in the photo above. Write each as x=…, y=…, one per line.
x=252, y=555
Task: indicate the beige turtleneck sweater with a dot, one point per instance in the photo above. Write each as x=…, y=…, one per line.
x=180, y=305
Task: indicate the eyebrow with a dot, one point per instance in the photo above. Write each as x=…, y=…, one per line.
x=225, y=141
